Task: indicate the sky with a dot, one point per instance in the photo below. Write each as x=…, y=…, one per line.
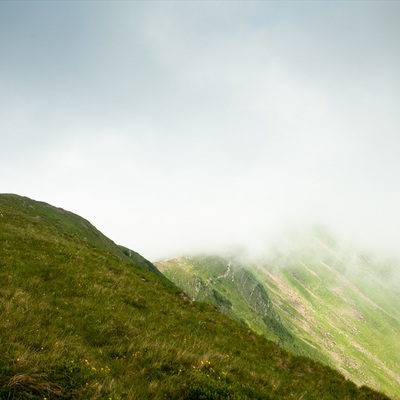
x=179, y=127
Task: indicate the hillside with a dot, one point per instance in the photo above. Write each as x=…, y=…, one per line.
x=83, y=318
x=334, y=304
x=238, y=293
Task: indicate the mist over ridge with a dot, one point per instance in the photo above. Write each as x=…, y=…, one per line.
x=182, y=127
x=265, y=245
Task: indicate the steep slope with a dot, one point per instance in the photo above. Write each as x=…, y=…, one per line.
x=345, y=302
x=342, y=303
x=234, y=289
x=80, y=319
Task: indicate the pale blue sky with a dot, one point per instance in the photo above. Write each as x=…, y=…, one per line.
x=179, y=126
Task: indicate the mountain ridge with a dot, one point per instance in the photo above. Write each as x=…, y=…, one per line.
x=334, y=299
x=81, y=319
x=245, y=300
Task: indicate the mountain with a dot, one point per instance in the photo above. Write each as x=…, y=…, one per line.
x=314, y=297
x=231, y=286
x=83, y=318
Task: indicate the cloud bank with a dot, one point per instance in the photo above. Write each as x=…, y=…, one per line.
x=177, y=127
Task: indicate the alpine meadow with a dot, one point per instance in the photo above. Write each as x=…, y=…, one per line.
x=199, y=200
x=334, y=303
x=84, y=318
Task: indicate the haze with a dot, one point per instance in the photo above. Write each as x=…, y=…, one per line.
x=191, y=126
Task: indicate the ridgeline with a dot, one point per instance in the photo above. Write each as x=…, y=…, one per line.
x=83, y=318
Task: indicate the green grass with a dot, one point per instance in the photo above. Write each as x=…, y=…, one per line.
x=350, y=308
x=237, y=293
x=80, y=319
x=329, y=303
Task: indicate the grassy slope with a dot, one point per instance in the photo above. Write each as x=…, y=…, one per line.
x=344, y=305
x=237, y=292
x=79, y=319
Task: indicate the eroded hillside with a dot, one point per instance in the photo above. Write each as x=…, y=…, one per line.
x=331, y=303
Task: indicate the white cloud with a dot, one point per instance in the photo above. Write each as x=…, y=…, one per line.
x=180, y=126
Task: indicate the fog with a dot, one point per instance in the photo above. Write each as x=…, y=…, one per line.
x=179, y=127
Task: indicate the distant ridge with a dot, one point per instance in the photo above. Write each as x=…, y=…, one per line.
x=315, y=298
x=231, y=286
